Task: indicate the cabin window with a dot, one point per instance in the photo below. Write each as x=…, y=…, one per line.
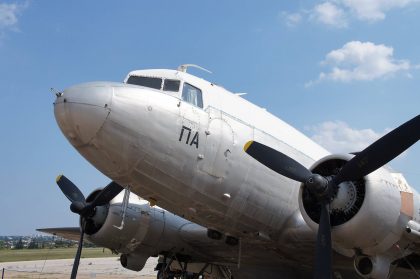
x=192, y=95
x=171, y=85
x=151, y=82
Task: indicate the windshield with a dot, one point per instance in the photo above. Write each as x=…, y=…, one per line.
x=151, y=82
x=171, y=85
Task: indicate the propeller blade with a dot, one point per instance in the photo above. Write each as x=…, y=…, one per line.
x=78, y=253
x=107, y=194
x=381, y=151
x=277, y=161
x=70, y=190
x=323, y=253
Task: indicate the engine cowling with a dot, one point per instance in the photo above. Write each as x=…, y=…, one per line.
x=365, y=214
x=146, y=231
x=133, y=262
x=142, y=224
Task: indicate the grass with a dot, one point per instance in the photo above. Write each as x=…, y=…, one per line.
x=7, y=255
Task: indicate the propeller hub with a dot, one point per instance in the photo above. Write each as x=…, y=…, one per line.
x=317, y=185
x=77, y=207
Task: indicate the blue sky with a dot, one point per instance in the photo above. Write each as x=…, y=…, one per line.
x=341, y=71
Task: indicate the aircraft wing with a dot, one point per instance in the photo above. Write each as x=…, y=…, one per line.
x=70, y=233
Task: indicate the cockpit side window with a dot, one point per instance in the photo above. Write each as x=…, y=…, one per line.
x=151, y=82
x=171, y=85
x=192, y=95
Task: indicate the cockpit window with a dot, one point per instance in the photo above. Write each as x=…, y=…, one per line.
x=192, y=95
x=151, y=82
x=171, y=85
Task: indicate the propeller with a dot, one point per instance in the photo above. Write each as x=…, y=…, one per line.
x=85, y=209
x=323, y=188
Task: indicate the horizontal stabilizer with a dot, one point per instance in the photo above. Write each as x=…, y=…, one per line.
x=70, y=233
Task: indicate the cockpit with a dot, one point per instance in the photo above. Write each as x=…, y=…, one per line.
x=155, y=83
x=171, y=86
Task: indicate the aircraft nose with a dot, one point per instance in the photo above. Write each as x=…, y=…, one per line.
x=81, y=110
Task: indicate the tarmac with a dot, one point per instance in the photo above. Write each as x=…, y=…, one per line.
x=106, y=268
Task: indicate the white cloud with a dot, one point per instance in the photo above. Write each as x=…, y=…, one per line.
x=362, y=61
x=329, y=14
x=338, y=137
x=374, y=10
x=9, y=16
x=338, y=13
x=292, y=19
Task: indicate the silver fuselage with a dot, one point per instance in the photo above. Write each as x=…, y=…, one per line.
x=190, y=161
x=186, y=159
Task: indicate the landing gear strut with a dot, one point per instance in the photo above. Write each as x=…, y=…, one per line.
x=176, y=266
x=166, y=273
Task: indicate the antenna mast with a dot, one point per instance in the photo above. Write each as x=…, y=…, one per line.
x=184, y=67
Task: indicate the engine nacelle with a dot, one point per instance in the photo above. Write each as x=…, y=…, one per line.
x=133, y=262
x=368, y=215
x=372, y=267
x=146, y=231
x=142, y=224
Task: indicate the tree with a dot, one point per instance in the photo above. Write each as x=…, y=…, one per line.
x=19, y=244
x=2, y=245
x=33, y=244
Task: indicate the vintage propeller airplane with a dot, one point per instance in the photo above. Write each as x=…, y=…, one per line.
x=247, y=195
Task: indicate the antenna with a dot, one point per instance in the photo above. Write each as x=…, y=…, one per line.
x=56, y=92
x=184, y=67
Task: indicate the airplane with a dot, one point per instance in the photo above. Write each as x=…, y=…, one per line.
x=226, y=184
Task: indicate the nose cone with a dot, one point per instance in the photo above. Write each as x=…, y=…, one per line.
x=82, y=110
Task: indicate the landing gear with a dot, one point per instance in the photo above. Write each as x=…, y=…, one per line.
x=177, y=266
x=162, y=274
x=166, y=273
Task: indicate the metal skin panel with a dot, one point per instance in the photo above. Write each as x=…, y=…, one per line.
x=217, y=148
x=166, y=168
x=191, y=162
x=83, y=111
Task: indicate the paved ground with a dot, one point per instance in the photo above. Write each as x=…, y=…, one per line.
x=106, y=268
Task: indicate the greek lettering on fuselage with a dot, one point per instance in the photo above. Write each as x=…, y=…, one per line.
x=189, y=136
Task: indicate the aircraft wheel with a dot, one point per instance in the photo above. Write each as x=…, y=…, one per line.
x=162, y=275
x=188, y=275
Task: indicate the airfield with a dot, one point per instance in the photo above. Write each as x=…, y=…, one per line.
x=107, y=268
